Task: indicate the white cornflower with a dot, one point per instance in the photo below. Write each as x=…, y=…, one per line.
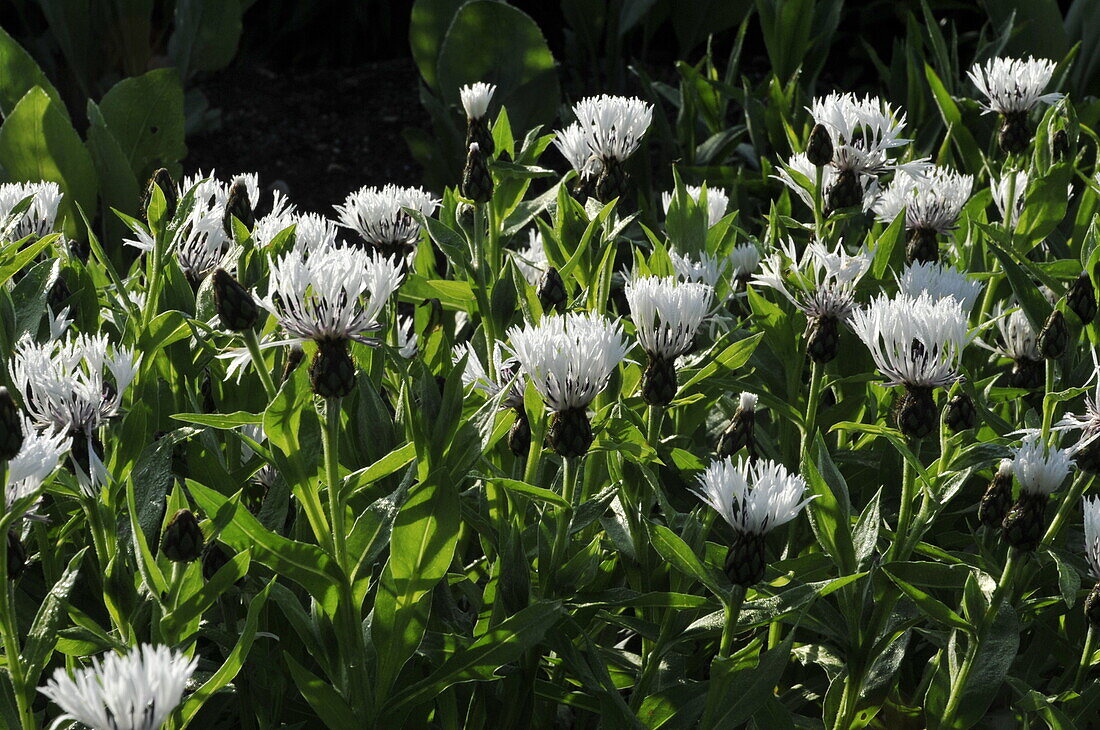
x=799, y=164
x=1089, y=423
x=744, y=260
x=608, y=128
x=1013, y=85
x=939, y=281
x=282, y=216
x=915, y=341
x=377, y=215
x=1008, y=195
x=475, y=374
x=706, y=269
x=1091, y=508
x=134, y=691
x=667, y=313
x=717, y=201
x=38, y=458
x=332, y=297
x=824, y=281
x=313, y=231
x=863, y=131
x=40, y=216
x=931, y=201
x=753, y=496
x=406, y=337
x=532, y=260
x=1040, y=469
x=569, y=357
x=210, y=192
x=747, y=401
x=476, y=98
x=1017, y=336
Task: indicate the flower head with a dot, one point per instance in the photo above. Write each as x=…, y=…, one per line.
x=1017, y=336
x=752, y=496
x=1013, y=85
x=939, y=282
x=932, y=201
x=607, y=128
x=1039, y=468
x=706, y=269
x=476, y=98
x=667, y=313
x=336, y=296
x=476, y=374
x=134, y=691
x=863, y=131
x=824, y=281
x=377, y=215
x=38, y=458
x=532, y=260
x=717, y=201
x=39, y=217
x=569, y=357
x=1091, y=507
x=915, y=341
x=747, y=401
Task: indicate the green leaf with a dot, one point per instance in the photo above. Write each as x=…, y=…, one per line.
x=677, y=552
x=37, y=142
x=829, y=518
x=197, y=603
x=952, y=117
x=44, y=631
x=205, y=35
x=331, y=708
x=222, y=421
x=930, y=606
x=735, y=695
x=428, y=25
x=730, y=359
x=145, y=116
x=1034, y=304
x=19, y=74
x=119, y=187
x=538, y=494
x=884, y=246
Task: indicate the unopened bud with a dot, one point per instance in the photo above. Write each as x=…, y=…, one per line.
x=477, y=132
x=294, y=358
x=551, y=290
x=1026, y=373
x=659, y=381
x=844, y=192
x=998, y=497
x=1025, y=523
x=741, y=431
x=1014, y=135
x=11, y=427
x=519, y=435
x=236, y=308
x=822, y=338
x=332, y=372
x=477, y=181
x=922, y=247
x=746, y=561
x=960, y=414
x=570, y=432
x=1054, y=337
x=163, y=180
x=182, y=539
x=238, y=206
x=819, y=148
x=916, y=412
x=214, y=558
x=1081, y=298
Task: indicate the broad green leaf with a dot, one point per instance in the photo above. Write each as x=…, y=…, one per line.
x=145, y=115
x=19, y=74
x=43, y=635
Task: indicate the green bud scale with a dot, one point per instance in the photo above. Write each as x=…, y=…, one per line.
x=739, y=434
x=746, y=561
x=659, y=381
x=182, y=539
x=922, y=246
x=1014, y=135
x=1081, y=298
x=240, y=207
x=477, y=180
x=519, y=435
x=1092, y=607
x=612, y=182
x=1054, y=337
x=235, y=306
x=551, y=290
x=822, y=338
x=1059, y=145
x=819, y=148
x=960, y=413
x=332, y=372
x=162, y=179
x=916, y=412
x=570, y=433
x=997, y=500
x=214, y=558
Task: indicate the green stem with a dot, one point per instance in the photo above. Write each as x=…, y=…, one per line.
x=330, y=437
x=813, y=399
x=733, y=609
x=561, y=535
x=1072, y=498
x=1048, y=404
x=12, y=653
x=252, y=342
x=905, y=511
x=1086, y=659
x=958, y=686
x=653, y=417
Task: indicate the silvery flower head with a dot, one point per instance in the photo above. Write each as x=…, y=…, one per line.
x=475, y=98
x=753, y=496
x=717, y=201
x=40, y=216
x=377, y=214
x=667, y=313
x=608, y=128
x=1017, y=336
x=915, y=341
x=863, y=131
x=1040, y=469
x=1013, y=85
x=333, y=297
x=1088, y=423
x=313, y=231
x=531, y=259
x=932, y=201
x=1091, y=508
x=37, y=459
x=798, y=163
x=744, y=260
x=134, y=691
x=939, y=281
x=569, y=357
x=1008, y=195
x=823, y=281
x=705, y=269
x=283, y=215
x=476, y=374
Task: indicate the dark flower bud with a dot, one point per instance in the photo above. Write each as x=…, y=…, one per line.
x=822, y=338
x=922, y=247
x=1081, y=298
x=1092, y=607
x=294, y=358
x=519, y=435
x=1026, y=373
x=745, y=562
x=819, y=148
x=477, y=180
x=182, y=539
x=844, y=192
x=11, y=427
x=16, y=556
x=1059, y=145
x=206, y=390
x=1054, y=337
x=163, y=180
x=550, y=290
x=235, y=306
x=960, y=413
x=997, y=498
x=238, y=206
x=59, y=294
x=214, y=558
x=741, y=431
x=477, y=132
x=570, y=432
x=612, y=182
x=332, y=372
x=659, y=381
x=1025, y=523
x=916, y=412
x=1014, y=135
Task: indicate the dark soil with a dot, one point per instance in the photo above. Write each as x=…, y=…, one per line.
x=316, y=134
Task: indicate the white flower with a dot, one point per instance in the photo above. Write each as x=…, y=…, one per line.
x=1091, y=507
x=313, y=231
x=863, y=131
x=798, y=163
x=825, y=281
x=569, y=357
x=717, y=201
x=939, y=281
x=706, y=269
x=37, y=459
x=377, y=214
x=607, y=128
x=476, y=98
x=281, y=217
x=1018, y=338
x=915, y=341
x=532, y=260
x=406, y=337
x=1013, y=85
x=1008, y=195
x=932, y=201
x=744, y=260
x=334, y=296
x=39, y=217
x=753, y=496
x=1089, y=423
x=667, y=313
x=1038, y=468
x=475, y=374
x=135, y=691
x=748, y=401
